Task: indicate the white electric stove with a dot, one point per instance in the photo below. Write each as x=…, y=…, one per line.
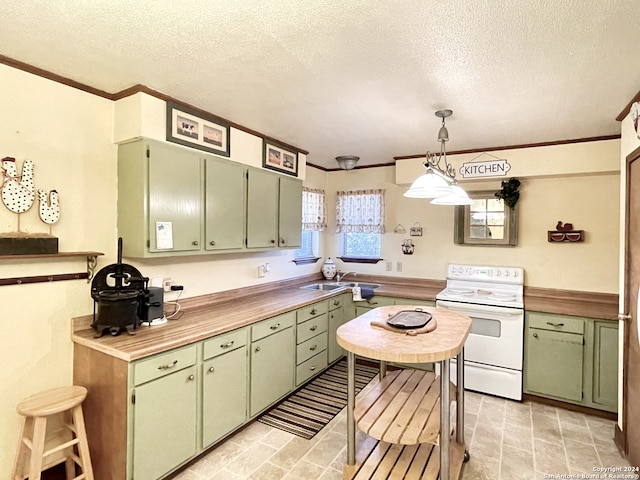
x=493, y=298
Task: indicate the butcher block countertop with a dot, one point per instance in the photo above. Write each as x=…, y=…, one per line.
x=210, y=315
x=446, y=341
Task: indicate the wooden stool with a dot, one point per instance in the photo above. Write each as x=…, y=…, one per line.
x=35, y=410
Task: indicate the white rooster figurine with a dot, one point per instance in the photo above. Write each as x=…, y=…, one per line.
x=49, y=207
x=17, y=190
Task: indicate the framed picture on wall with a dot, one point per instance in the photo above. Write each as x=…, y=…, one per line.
x=279, y=158
x=194, y=129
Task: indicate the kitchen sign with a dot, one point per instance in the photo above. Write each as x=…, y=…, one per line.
x=490, y=168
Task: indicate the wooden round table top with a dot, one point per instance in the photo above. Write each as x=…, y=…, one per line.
x=446, y=341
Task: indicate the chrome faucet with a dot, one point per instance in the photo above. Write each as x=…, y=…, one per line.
x=340, y=275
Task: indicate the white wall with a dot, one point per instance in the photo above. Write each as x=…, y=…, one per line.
x=590, y=202
x=67, y=134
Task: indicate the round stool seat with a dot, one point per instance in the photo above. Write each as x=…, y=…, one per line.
x=52, y=401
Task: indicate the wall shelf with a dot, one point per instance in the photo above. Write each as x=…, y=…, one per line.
x=92, y=261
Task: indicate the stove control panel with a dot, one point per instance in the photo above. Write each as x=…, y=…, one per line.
x=485, y=273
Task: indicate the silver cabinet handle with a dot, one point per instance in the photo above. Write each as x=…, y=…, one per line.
x=555, y=324
x=314, y=328
x=211, y=369
x=273, y=241
x=336, y=302
x=191, y=377
x=371, y=303
x=274, y=327
x=257, y=349
x=535, y=335
x=313, y=311
x=312, y=368
x=313, y=348
x=168, y=365
x=282, y=241
x=228, y=344
x=195, y=243
x=212, y=243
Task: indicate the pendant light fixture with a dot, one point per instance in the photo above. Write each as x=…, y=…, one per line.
x=439, y=182
x=347, y=162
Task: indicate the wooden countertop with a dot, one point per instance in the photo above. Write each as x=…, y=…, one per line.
x=210, y=315
x=446, y=341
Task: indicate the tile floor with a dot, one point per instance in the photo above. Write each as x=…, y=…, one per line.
x=507, y=440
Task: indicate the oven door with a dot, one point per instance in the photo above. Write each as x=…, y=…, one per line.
x=496, y=336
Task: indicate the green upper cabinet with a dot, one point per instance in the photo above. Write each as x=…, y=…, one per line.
x=159, y=199
x=224, y=204
x=262, y=209
x=274, y=210
x=174, y=201
x=290, y=213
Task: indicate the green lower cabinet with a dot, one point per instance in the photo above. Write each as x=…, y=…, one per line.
x=572, y=359
x=224, y=394
x=272, y=368
x=554, y=362
x=164, y=423
x=605, y=364
x=336, y=318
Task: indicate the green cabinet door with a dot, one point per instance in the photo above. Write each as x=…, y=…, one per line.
x=262, y=209
x=336, y=318
x=175, y=198
x=224, y=204
x=290, y=213
x=554, y=363
x=164, y=424
x=605, y=364
x=272, y=368
x=224, y=394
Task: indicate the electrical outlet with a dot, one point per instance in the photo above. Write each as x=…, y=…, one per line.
x=166, y=284
x=399, y=266
x=261, y=271
x=389, y=266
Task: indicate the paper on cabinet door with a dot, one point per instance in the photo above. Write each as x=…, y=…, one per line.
x=164, y=235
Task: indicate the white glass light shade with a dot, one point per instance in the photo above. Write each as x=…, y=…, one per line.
x=428, y=185
x=457, y=197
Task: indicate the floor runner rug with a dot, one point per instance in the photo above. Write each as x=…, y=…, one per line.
x=307, y=410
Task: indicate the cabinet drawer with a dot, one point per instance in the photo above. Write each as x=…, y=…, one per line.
x=312, y=327
x=311, y=367
x=311, y=311
x=336, y=302
x=164, y=364
x=557, y=323
x=224, y=343
x=311, y=347
x=272, y=325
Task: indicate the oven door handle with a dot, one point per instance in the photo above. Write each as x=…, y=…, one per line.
x=475, y=309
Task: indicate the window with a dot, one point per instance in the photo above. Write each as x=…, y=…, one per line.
x=362, y=245
x=314, y=220
x=360, y=221
x=488, y=221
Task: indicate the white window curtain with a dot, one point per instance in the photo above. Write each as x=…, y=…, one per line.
x=314, y=210
x=360, y=211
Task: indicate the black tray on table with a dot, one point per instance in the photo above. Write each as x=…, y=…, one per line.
x=410, y=319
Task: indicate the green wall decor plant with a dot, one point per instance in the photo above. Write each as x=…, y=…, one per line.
x=509, y=192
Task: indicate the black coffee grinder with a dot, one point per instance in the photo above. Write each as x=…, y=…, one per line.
x=121, y=298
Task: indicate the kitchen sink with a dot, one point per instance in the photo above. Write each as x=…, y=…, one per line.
x=322, y=286
x=360, y=284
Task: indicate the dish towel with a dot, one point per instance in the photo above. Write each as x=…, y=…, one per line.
x=366, y=293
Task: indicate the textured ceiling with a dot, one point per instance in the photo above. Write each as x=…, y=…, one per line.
x=353, y=77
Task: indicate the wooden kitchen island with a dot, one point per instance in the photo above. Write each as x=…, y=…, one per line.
x=406, y=411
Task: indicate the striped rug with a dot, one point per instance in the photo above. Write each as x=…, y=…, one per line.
x=306, y=411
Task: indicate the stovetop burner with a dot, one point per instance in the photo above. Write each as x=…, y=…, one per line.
x=497, y=286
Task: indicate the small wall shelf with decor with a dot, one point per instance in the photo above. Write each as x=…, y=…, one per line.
x=92, y=261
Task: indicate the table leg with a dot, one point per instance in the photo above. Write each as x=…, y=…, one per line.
x=351, y=403
x=383, y=369
x=445, y=418
x=460, y=399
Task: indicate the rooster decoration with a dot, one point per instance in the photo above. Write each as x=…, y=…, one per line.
x=49, y=206
x=18, y=192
